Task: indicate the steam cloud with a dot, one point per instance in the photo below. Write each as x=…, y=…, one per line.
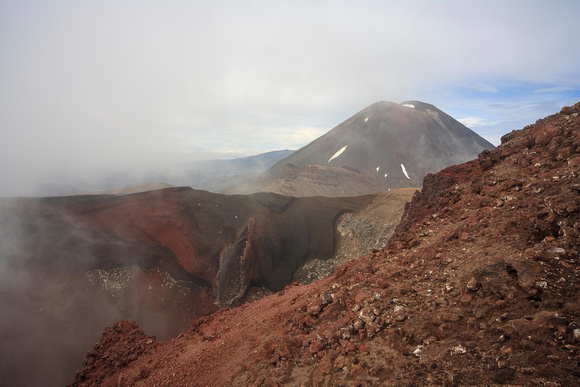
x=51, y=311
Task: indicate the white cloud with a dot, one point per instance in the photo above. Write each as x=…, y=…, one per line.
x=486, y=88
x=104, y=83
x=476, y=122
x=557, y=89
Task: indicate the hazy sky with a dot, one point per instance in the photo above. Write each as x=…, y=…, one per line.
x=92, y=84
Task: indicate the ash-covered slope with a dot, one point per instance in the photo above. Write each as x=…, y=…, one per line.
x=389, y=145
x=479, y=286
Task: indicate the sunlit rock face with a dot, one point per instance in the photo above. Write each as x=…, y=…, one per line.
x=386, y=145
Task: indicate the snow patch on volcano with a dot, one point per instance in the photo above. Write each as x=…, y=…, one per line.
x=337, y=154
x=409, y=105
x=405, y=171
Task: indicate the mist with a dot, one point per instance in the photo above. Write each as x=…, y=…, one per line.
x=61, y=283
x=88, y=88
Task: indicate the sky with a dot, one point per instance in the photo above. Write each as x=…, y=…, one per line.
x=87, y=86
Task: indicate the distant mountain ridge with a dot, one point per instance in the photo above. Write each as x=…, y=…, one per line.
x=207, y=175
x=393, y=144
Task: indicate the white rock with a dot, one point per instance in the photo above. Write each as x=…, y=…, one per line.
x=557, y=250
x=417, y=351
x=542, y=285
x=458, y=350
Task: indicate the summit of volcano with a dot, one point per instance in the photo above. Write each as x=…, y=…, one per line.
x=384, y=146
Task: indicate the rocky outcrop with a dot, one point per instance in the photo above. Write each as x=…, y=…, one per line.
x=359, y=233
x=120, y=345
x=478, y=286
x=237, y=268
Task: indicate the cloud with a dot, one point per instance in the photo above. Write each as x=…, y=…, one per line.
x=556, y=89
x=476, y=122
x=486, y=89
x=98, y=84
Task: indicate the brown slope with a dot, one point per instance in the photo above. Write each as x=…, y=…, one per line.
x=479, y=286
x=316, y=180
x=386, y=145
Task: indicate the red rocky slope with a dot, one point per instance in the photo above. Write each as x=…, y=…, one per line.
x=479, y=286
